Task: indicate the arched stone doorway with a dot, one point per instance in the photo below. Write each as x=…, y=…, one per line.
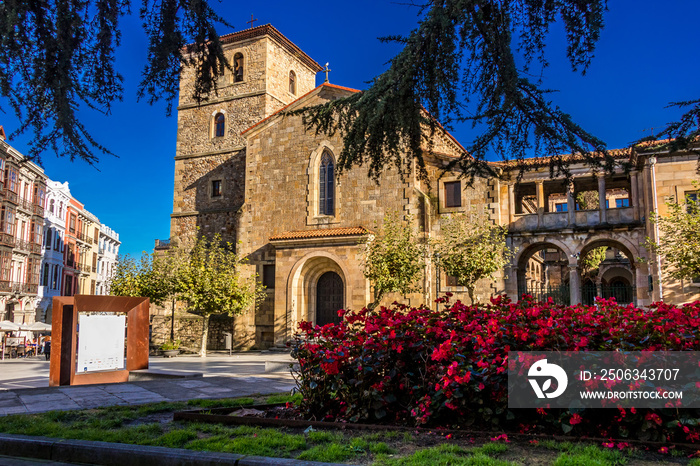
x=543, y=272
x=329, y=298
x=613, y=276
x=318, y=282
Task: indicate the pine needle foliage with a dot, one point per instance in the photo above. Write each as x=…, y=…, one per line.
x=469, y=61
x=57, y=57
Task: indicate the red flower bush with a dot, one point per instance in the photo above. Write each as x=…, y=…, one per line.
x=418, y=366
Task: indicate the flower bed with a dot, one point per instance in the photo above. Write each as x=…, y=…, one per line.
x=417, y=366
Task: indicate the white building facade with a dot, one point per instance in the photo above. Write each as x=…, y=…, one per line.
x=57, y=199
x=107, y=258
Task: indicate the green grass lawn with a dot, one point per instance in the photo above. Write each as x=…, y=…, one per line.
x=152, y=424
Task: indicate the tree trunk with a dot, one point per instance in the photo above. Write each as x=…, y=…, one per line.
x=377, y=299
x=470, y=289
x=172, y=323
x=205, y=334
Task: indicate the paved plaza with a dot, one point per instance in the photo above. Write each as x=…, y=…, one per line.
x=24, y=383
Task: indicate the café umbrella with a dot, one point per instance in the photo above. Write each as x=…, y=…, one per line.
x=7, y=326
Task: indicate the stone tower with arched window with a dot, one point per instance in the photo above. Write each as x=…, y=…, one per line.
x=210, y=153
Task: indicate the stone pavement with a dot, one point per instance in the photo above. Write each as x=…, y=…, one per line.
x=24, y=383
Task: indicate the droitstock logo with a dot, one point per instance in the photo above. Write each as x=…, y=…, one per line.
x=546, y=372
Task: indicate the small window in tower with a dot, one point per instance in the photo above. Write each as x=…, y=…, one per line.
x=219, y=125
x=216, y=188
x=292, y=82
x=238, y=66
x=268, y=276
x=453, y=194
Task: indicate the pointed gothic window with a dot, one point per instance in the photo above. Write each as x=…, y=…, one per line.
x=292, y=82
x=238, y=66
x=326, y=189
x=219, y=125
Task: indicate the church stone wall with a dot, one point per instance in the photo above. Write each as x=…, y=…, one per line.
x=279, y=64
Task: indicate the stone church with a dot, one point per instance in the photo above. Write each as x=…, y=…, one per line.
x=246, y=170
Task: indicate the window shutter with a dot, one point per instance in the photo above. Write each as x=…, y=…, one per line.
x=453, y=194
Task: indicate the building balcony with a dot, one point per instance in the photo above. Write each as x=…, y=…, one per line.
x=84, y=268
x=35, y=248
x=162, y=244
x=24, y=205
x=22, y=245
x=551, y=221
x=7, y=239
x=38, y=210
x=94, y=270
x=16, y=287
x=10, y=196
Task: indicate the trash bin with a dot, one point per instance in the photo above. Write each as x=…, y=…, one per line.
x=228, y=342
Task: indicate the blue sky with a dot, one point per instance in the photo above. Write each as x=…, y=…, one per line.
x=645, y=59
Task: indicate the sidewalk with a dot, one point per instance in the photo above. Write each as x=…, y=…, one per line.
x=24, y=383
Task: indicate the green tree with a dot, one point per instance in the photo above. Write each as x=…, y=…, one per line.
x=393, y=258
x=679, y=239
x=471, y=247
x=211, y=283
x=592, y=260
x=467, y=61
x=153, y=276
x=57, y=56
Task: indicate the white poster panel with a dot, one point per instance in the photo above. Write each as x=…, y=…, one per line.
x=100, y=342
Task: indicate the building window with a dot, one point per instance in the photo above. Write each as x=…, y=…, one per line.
x=51, y=205
x=292, y=82
x=72, y=223
x=268, y=276
x=45, y=276
x=219, y=125
x=11, y=179
x=691, y=202
x=624, y=202
x=326, y=188
x=238, y=68
x=47, y=243
x=561, y=207
x=216, y=188
x=453, y=194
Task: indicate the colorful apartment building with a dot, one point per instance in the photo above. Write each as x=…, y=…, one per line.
x=22, y=199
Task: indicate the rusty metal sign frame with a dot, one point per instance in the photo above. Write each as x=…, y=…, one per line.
x=64, y=338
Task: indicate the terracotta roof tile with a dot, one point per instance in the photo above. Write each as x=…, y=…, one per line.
x=324, y=233
x=270, y=30
x=540, y=161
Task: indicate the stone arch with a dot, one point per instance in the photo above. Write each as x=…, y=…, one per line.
x=302, y=281
x=619, y=272
x=527, y=249
x=620, y=243
x=547, y=278
x=610, y=272
x=239, y=63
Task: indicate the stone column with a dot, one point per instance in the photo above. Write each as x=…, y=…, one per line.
x=601, y=198
x=511, y=204
x=571, y=204
x=574, y=285
x=635, y=201
x=540, y=203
